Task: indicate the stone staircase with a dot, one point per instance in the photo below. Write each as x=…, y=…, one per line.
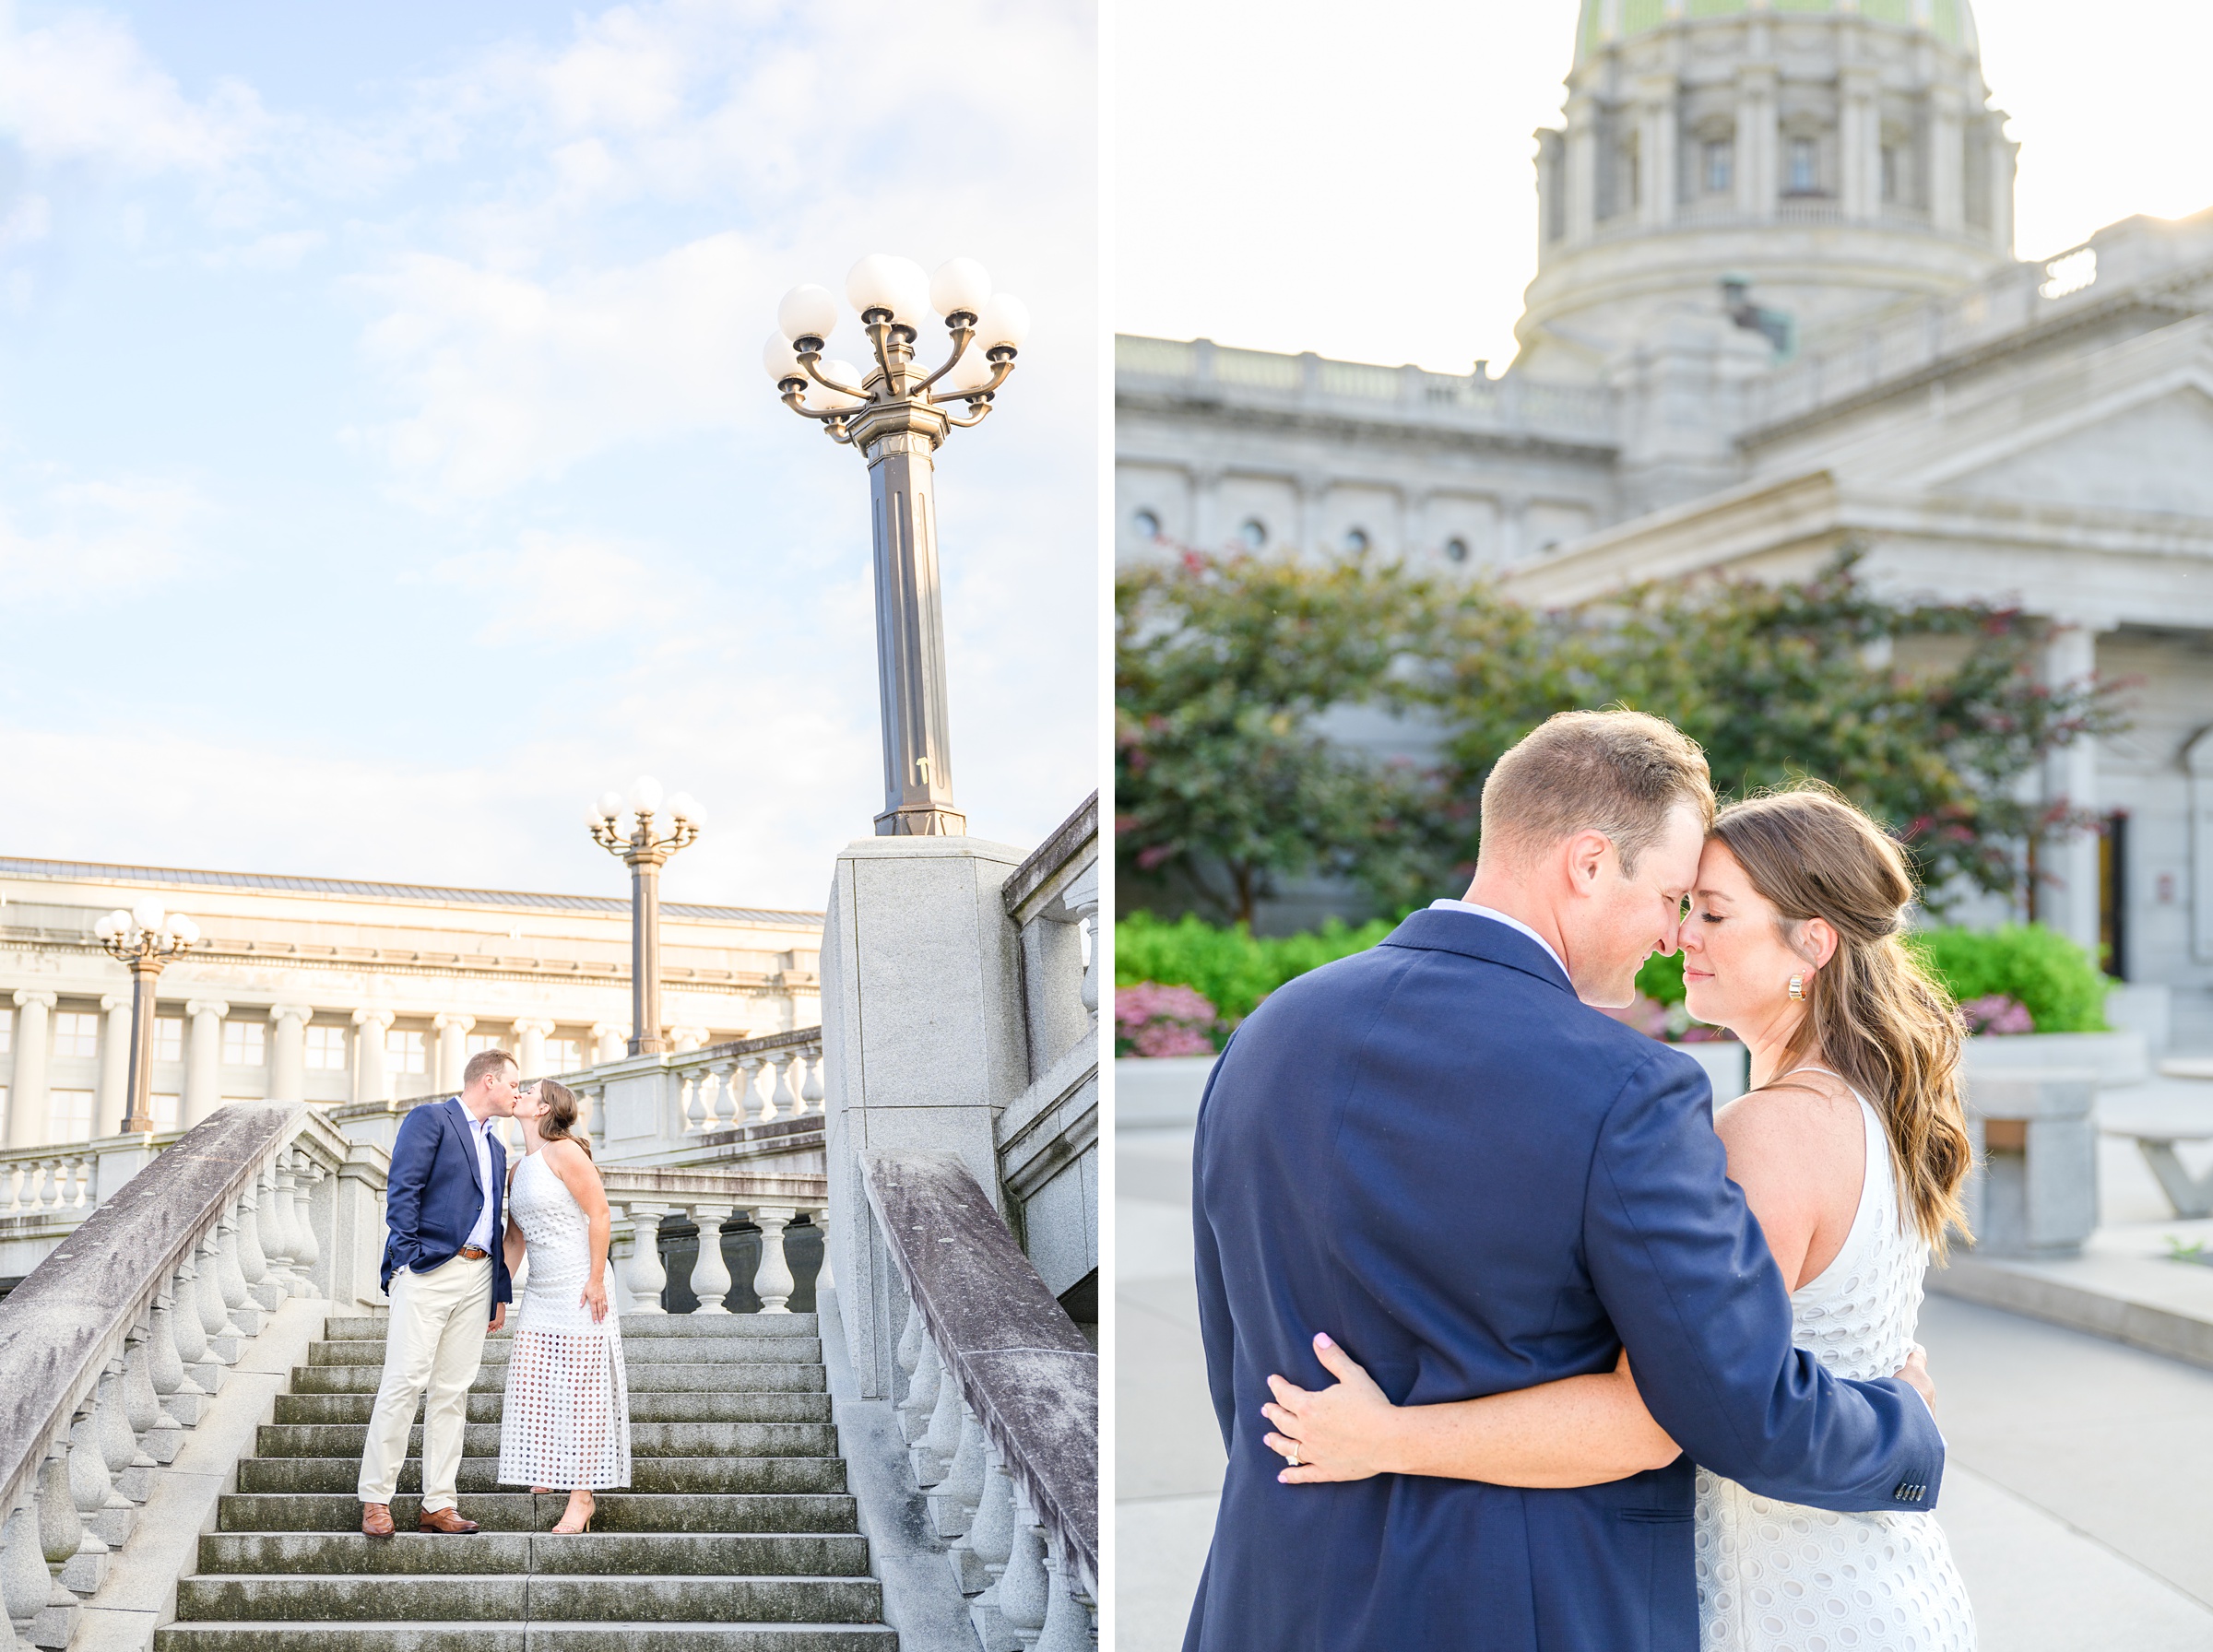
x=737, y=1533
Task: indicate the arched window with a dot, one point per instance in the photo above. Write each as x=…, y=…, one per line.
x=1146, y=523
x=1253, y=533
x=1456, y=550
x=1356, y=541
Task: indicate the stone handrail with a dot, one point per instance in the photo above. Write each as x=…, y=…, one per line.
x=1000, y=1411
x=1053, y=901
x=112, y=1344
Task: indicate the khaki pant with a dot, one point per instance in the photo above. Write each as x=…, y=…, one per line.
x=435, y=1341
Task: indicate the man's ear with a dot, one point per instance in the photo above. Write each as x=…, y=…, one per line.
x=1587, y=854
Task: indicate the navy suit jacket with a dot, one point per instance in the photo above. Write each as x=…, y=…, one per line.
x=434, y=1194
x=1436, y=1152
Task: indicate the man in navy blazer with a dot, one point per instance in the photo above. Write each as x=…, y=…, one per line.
x=445, y=1270
x=1439, y=1153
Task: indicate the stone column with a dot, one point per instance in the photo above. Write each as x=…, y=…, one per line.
x=1656, y=151
x=1583, y=167
x=1860, y=142
x=2069, y=902
x=2005, y=157
x=288, y=1052
x=1310, y=488
x=368, y=1029
x=1947, y=162
x=1757, y=185
x=202, y=1060
x=114, y=1064
x=1206, y=491
x=453, y=1049
x=607, y=1040
x=530, y=1035
x=27, y=1090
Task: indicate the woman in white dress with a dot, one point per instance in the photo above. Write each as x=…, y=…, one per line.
x=1850, y=1149
x=565, y=1422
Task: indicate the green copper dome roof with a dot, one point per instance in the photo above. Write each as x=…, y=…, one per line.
x=1607, y=21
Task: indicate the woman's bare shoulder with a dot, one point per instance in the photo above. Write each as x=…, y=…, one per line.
x=1804, y=1118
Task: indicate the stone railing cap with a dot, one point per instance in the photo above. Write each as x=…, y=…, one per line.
x=1064, y=844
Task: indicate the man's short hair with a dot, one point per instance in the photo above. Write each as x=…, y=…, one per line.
x=483, y=1062
x=1621, y=772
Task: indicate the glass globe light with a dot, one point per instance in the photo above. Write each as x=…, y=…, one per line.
x=682, y=807
x=843, y=373
x=147, y=914
x=959, y=284
x=610, y=805
x=1005, y=321
x=880, y=281
x=119, y=922
x=177, y=926
x=592, y=817
x=808, y=312
x=973, y=371
x=105, y=929
x=780, y=360
x=645, y=795
x=190, y=935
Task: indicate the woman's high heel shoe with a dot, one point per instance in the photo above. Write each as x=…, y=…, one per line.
x=578, y=1530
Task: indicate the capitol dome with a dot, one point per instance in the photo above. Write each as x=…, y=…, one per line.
x=1839, y=155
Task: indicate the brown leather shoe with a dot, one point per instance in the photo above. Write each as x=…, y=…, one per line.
x=444, y=1520
x=376, y=1520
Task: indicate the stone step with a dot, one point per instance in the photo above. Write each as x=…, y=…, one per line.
x=645, y=1553
x=805, y=1377
x=532, y=1638
x=371, y=1327
x=681, y=1475
x=505, y=1597
x=647, y=1439
x=735, y=1349
x=646, y=1406
x=524, y=1512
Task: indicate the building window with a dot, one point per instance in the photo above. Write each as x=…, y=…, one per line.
x=7, y=1033
x=1254, y=535
x=1804, y=168
x=168, y=1038
x=478, y=1043
x=68, y=1115
x=244, y=1043
x=1889, y=172
x=561, y=1056
x=1721, y=158
x=326, y=1049
x=1146, y=523
x=1456, y=550
x=1356, y=541
x=405, y=1053
x=77, y=1037
x=166, y=1109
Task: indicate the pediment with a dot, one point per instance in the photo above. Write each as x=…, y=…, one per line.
x=2152, y=455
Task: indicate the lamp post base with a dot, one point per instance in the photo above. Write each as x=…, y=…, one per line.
x=648, y=1047
x=921, y=821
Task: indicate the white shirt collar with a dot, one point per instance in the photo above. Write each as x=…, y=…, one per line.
x=1492, y=913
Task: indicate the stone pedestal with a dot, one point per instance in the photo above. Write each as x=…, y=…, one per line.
x=2034, y=1191
x=922, y=1039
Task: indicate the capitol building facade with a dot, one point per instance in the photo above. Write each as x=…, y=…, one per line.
x=1777, y=312
x=326, y=990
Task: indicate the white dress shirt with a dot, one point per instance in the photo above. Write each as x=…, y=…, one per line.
x=1448, y=905
x=481, y=1235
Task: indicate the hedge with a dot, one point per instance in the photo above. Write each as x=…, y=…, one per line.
x=1233, y=968
x=2052, y=977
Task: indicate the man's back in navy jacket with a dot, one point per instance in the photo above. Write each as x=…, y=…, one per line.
x=1434, y=1152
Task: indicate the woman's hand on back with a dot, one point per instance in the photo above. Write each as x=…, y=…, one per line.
x=1348, y=1431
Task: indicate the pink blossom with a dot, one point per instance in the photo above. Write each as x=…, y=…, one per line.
x=1156, y=1022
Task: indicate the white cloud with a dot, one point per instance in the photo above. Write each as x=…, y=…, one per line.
x=564, y=588
x=83, y=88
x=66, y=540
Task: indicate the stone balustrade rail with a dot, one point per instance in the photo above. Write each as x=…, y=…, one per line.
x=1000, y=1405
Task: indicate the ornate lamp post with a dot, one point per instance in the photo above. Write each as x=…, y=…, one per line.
x=889, y=412
x=644, y=854
x=148, y=940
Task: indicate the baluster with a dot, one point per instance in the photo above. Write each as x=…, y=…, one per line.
x=811, y=1091
x=1088, y=938
x=24, y=1580
x=1067, y=1623
x=201, y=1376
x=11, y=1180
x=824, y=1280
x=118, y=1447
x=1022, y=1589
x=214, y=1319
x=307, y=1250
x=692, y=1090
x=727, y=1110
x=922, y=1393
x=50, y=1194
x=91, y=1491
x=275, y=1242
x=786, y=1098
x=61, y=1534
x=159, y=1374
x=281, y=1232
x=992, y=1541
x=748, y=1093
x=934, y=1455
x=908, y=1354
x=711, y=1270
x=645, y=1277
x=952, y=1501
x=253, y=1265
x=86, y=1167
x=772, y=1282
x=245, y=1317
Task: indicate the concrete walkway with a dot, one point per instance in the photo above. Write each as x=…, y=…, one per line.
x=2076, y=1500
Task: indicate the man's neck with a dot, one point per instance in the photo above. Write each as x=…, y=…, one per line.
x=480, y=1110
x=1500, y=892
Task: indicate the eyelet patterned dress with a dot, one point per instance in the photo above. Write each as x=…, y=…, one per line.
x=565, y=1422
x=1776, y=1578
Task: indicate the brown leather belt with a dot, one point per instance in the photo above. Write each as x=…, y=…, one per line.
x=473, y=1254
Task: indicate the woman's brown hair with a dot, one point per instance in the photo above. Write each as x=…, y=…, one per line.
x=1874, y=1012
x=560, y=1121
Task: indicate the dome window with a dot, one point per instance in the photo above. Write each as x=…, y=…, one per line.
x=1721, y=166
x=1146, y=523
x=1253, y=533
x=1456, y=550
x=1356, y=541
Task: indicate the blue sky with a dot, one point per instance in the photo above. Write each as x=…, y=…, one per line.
x=385, y=463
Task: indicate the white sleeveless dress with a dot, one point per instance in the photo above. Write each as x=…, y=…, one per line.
x=1777, y=1577
x=565, y=1422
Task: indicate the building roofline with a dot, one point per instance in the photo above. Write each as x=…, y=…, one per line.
x=96, y=871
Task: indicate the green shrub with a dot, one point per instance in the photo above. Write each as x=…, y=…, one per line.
x=1233, y=968
x=2055, y=979
x=1660, y=979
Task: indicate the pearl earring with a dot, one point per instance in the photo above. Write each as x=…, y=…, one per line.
x=1797, y=989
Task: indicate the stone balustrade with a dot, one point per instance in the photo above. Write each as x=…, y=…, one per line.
x=114, y=1346
x=998, y=1406
x=646, y=1200
x=48, y=1181
x=675, y=1107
